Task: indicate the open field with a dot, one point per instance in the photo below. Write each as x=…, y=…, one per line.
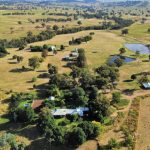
x=143, y=136
x=98, y=51
x=138, y=33
x=104, y=44
x=11, y=29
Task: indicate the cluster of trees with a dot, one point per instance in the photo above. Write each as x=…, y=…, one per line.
x=40, y=48
x=74, y=137
x=20, y=113
x=121, y=23
x=35, y=62
x=48, y=34
x=53, y=19
x=58, y=14
x=80, y=88
x=80, y=40
x=18, y=58
x=18, y=13
x=8, y=141
x=30, y=38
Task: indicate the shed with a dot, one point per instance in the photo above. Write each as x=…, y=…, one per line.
x=52, y=48
x=146, y=85
x=36, y=104
x=51, y=98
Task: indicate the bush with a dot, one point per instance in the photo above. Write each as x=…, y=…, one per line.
x=133, y=77
x=113, y=144
x=64, y=122
x=91, y=130
x=75, y=137
x=34, y=79
x=73, y=117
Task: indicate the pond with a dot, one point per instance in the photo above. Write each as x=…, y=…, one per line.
x=138, y=47
x=124, y=58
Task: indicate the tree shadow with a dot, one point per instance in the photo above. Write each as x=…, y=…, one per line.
x=41, y=71
x=42, y=144
x=13, y=62
x=44, y=75
x=127, y=80
x=129, y=92
x=20, y=70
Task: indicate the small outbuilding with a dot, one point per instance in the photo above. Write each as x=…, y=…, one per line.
x=146, y=85
x=36, y=104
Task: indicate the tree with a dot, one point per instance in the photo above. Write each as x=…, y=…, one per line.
x=43, y=25
x=79, y=22
x=124, y=31
x=29, y=34
x=52, y=69
x=108, y=72
x=81, y=60
x=19, y=59
x=119, y=62
x=116, y=97
x=44, y=53
x=122, y=50
x=87, y=80
x=3, y=50
x=148, y=30
x=137, y=54
x=99, y=107
x=133, y=77
x=55, y=27
x=79, y=97
x=76, y=137
x=62, y=47
x=46, y=126
x=23, y=114
x=9, y=139
x=45, y=121
x=34, y=62
x=91, y=130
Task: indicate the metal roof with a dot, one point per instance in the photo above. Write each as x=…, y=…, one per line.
x=63, y=112
x=146, y=85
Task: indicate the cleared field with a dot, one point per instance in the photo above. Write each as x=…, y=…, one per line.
x=11, y=29
x=98, y=51
x=143, y=141
x=138, y=33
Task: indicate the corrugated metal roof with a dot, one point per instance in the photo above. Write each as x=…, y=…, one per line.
x=146, y=85
x=63, y=112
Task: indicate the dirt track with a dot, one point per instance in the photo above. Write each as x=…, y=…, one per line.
x=143, y=136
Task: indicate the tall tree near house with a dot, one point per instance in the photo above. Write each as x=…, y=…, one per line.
x=81, y=60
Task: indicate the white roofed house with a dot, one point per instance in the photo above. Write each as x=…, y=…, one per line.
x=63, y=112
